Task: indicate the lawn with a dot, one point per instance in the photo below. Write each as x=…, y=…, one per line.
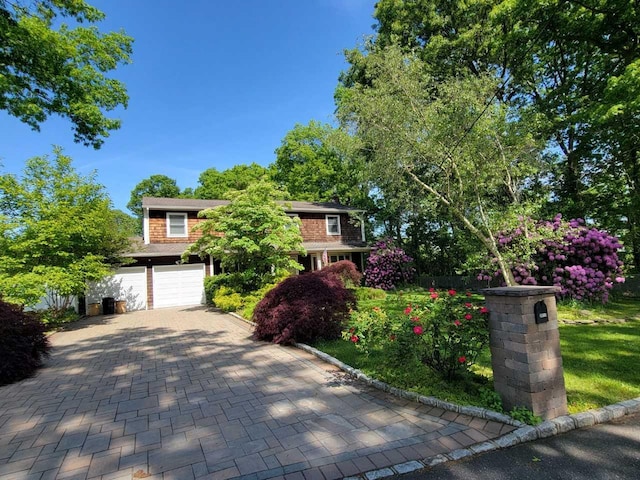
x=600, y=359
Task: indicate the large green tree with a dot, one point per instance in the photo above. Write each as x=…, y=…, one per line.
x=311, y=166
x=214, y=185
x=446, y=140
x=49, y=66
x=252, y=235
x=57, y=232
x=569, y=64
x=154, y=186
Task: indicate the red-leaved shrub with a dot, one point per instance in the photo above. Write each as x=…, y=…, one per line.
x=346, y=270
x=304, y=308
x=23, y=343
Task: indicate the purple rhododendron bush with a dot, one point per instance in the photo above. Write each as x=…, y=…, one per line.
x=23, y=343
x=581, y=260
x=304, y=308
x=388, y=266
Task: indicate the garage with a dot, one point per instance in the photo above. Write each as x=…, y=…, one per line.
x=128, y=283
x=178, y=285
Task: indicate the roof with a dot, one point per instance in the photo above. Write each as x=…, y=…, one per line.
x=177, y=249
x=311, y=247
x=193, y=204
x=139, y=249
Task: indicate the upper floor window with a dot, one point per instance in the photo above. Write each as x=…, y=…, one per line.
x=177, y=225
x=333, y=224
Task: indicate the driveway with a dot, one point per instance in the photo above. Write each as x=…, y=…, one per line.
x=185, y=393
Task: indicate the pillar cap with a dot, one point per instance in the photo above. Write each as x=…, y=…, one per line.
x=520, y=291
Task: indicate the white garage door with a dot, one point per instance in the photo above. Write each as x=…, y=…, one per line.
x=128, y=283
x=177, y=285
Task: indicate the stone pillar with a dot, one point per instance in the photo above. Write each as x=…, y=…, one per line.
x=525, y=355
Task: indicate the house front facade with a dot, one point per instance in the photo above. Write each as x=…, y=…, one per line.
x=158, y=278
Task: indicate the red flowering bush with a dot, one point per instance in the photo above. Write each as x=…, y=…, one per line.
x=447, y=334
x=23, y=343
x=304, y=308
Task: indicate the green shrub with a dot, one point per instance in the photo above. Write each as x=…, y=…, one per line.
x=523, y=414
x=252, y=300
x=56, y=318
x=227, y=300
x=369, y=293
x=233, y=281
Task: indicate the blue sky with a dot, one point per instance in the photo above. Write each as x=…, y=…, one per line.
x=213, y=83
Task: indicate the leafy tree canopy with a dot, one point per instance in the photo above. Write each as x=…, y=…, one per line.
x=252, y=235
x=447, y=140
x=50, y=67
x=154, y=186
x=571, y=65
x=214, y=185
x=311, y=166
x=58, y=231
x=127, y=224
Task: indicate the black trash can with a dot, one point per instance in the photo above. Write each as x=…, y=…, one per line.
x=108, y=306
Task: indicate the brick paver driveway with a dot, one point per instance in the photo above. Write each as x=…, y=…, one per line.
x=185, y=393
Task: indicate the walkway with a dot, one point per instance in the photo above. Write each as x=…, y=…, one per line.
x=185, y=393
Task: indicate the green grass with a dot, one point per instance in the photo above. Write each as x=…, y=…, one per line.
x=600, y=360
x=415, y=378
x=616, y=309
x=600, y=363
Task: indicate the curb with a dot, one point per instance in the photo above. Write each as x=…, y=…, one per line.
x=524, y=433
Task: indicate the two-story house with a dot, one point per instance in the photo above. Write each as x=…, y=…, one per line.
x=158, y=278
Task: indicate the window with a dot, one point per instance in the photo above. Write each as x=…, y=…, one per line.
x=338, y=258
x=177, y=225
x=333, y=224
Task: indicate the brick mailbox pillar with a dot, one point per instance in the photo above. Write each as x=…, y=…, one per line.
x=525, y=349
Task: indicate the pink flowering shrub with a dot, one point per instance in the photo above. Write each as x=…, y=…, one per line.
x=388, y=266
x=583, y=261
x=447, y=333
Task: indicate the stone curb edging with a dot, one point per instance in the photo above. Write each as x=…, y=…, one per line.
x=524, y=433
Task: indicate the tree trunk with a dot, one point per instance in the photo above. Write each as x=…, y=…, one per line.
x=632, y=167
x=571, y=188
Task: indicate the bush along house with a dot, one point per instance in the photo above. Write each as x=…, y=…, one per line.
x=157, y=277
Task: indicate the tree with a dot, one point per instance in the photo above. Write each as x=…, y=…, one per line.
x=446, y=140
x=154, y=186
x=572, y=65
x=48, y=67
x=126, y=224
x=312, y=167
x=251, y=235
x=214, y=185
x=58, y=232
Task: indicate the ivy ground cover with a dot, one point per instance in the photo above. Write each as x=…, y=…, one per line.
x=600, y=360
